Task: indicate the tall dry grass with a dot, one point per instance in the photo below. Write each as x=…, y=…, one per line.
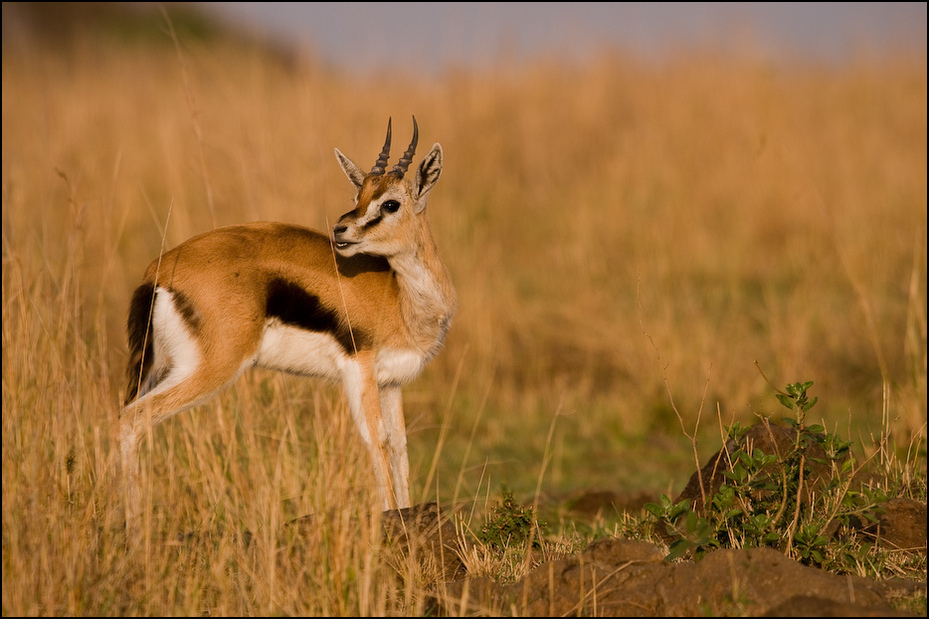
x=618, y=232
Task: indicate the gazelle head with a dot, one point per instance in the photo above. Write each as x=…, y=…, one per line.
x=388, y=207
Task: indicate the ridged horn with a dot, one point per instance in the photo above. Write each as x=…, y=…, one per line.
x=404, y=163
x=381, y=165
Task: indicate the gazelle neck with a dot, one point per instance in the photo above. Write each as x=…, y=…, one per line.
x=427, y=297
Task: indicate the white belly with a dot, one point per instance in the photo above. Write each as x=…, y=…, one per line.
x=312, y=353
x=298, y=351
x=399, y=366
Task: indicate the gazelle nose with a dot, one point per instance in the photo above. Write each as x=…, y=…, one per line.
x=339, y=228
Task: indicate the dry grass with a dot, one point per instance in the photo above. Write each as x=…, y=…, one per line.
x=737, y=211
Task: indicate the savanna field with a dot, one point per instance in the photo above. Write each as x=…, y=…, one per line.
x=636, y=246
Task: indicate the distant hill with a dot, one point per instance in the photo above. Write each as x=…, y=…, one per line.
x=58, y=26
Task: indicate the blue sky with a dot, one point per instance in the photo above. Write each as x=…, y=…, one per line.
x=434, y=36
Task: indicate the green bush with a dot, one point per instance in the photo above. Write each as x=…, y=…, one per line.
x=799, y=502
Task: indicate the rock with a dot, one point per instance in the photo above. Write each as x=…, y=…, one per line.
x=593, y=504
x=814, y=606
x=422, y=533
x=901, y=526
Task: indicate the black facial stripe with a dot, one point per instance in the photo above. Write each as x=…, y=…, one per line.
x=373, y=222
x=353, y=214
x=293, y=305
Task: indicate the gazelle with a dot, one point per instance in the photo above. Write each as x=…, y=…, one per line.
x=368, y=307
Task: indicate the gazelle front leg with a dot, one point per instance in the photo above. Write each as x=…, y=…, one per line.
x=364, y=401
x=395, y=425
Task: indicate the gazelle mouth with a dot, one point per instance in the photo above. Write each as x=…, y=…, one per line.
x=342, y=244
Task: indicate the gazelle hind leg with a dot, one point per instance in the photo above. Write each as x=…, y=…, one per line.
x=143, y=414
x=179, y=376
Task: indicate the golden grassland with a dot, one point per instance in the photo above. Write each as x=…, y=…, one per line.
x=627, y=240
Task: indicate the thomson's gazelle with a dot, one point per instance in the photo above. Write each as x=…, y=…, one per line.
x=368, y=307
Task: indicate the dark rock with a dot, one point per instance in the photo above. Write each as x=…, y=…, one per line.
x=594, y=504
x=902, y=525
x=423, y=533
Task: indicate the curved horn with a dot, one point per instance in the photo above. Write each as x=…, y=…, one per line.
x=381, y=164
x=404, y=163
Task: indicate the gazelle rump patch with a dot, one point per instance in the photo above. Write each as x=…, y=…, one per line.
x=164, y=350
x=175, y=346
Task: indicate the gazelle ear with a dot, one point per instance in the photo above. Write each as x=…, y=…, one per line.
x=427, y=174
x=352, y=171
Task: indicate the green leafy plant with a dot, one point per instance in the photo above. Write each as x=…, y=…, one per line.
x=796, y=500
x=796, y=399
x=511, y=525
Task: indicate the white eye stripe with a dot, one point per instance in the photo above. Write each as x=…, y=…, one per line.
x=369, y=218
x=379, y=208
x=374, y=212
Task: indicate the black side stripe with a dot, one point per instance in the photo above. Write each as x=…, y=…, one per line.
x=292, y=305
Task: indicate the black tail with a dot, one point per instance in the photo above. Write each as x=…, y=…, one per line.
x=139, y=327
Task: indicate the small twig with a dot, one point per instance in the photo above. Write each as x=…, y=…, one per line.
x=680, y=418
x=767, y=380
x=796, y=518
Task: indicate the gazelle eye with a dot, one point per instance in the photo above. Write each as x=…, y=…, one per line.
x=391, y=206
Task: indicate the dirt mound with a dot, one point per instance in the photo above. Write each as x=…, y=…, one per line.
x=620, y=577
x=626, y=578
x=616, y=577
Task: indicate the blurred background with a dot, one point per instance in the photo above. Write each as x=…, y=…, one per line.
x=432, y=37
x=427, y=38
